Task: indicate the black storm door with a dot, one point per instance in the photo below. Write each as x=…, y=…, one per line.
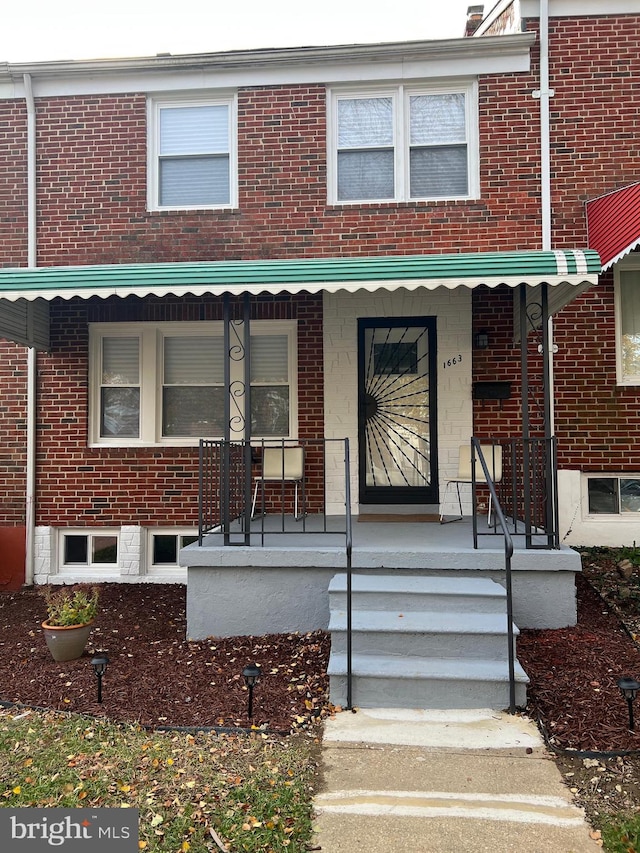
x=397, y=419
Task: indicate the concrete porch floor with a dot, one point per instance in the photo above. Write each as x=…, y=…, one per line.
x=320, y=541
x=280, y=581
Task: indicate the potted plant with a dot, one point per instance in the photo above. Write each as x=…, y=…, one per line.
x=70, y=615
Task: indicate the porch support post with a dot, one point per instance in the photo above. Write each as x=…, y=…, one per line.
x=524, y=395
x=550, y=477
x=246, y=311
x=225, y=467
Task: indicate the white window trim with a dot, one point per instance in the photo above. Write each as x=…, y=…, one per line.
x=400, y=95
x=88, y=567
x=151, y=336
x=629, y=263
x=152, y=568
x=154, y=106
x=625, y=517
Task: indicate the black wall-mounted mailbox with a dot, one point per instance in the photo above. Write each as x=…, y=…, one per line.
x=491, y=390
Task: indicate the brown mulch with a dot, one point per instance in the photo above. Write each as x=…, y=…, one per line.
x=155, y=677
x=574, y=674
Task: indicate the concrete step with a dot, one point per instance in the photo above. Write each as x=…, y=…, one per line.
x=408, y=592
x=392, y=681
x=422, y=634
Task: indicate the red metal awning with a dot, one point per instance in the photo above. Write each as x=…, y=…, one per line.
x=613, y=224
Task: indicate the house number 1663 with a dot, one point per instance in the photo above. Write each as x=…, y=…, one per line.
x=456, y=359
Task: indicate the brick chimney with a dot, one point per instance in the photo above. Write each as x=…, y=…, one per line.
x=475, y=15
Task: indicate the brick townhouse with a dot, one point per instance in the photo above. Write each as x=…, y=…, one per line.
x=389, y=216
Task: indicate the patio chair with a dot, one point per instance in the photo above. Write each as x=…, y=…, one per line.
x=492, y=456
x=280, y=465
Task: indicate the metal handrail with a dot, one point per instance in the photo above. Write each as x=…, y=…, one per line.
x=508, y=554
x=349, y=550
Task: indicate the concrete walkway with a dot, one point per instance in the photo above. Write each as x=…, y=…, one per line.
x=442, y=781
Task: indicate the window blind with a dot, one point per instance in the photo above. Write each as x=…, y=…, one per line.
x=193, y=360
x=120, y=361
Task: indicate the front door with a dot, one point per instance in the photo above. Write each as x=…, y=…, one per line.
x=397, y=411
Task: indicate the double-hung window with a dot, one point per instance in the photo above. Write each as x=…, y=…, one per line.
x=164, y=383
x=627, y=301
x=192, y=159
x=403, y=143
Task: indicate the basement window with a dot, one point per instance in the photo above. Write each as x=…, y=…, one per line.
x=89, y=550
x=165, y=545
x=613, y=495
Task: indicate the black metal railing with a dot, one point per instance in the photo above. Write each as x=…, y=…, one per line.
x=527, y=489
x=241, y=503
x=488, y=467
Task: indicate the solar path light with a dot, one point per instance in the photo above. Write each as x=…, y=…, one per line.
x=629, y=688
x=99, y=664
x=251, y=674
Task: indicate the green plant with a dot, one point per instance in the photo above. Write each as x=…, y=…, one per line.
x=65, y=606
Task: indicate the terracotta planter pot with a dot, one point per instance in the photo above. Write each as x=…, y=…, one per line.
x=66, y=642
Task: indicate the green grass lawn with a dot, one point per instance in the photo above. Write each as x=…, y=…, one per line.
x=194, y=791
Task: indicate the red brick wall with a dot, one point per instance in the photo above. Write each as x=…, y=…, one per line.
x=13, y=183
x=92, y=187
x=595, y=149
x=13, y=425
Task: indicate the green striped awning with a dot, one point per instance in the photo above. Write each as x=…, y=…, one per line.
x=573, y=267
x=26, y=291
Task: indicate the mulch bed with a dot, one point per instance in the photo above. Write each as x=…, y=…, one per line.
x=574, y=674
x=155, y=677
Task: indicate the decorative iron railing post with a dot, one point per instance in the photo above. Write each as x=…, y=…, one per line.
x=554, y=539
x=474, y=514
x=200, y=492
x=348, y=544
x=246, y=307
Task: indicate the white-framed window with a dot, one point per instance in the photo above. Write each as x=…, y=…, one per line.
x=192, y=162
x=627, y=304
x=88, y=549
x=163, y=383
x=163, y=547
x=403, y=143
x=613, y=494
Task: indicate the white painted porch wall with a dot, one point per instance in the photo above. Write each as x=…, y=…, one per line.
x=341, y=312
x=577, y=527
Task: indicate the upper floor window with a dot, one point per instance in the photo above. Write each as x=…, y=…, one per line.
x=627, y=296
x=192, y=161
x=164, y=383
x=403, y=144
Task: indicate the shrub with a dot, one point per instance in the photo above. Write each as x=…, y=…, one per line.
x=67, y=606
